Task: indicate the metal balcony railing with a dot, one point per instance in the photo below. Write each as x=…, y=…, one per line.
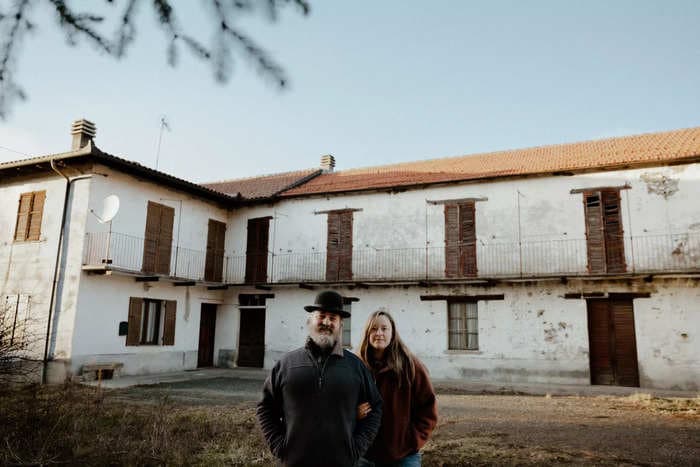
x=648, y=254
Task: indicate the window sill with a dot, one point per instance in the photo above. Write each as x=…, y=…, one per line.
x=460, y=351
x=23, y=242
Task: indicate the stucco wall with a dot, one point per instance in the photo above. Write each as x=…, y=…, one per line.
x=533, y=335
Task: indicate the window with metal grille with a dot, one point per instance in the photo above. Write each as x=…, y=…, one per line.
x=29, y=215
x=463, y=326
x=14, y=319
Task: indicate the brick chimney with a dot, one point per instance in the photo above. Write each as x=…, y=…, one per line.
x=83, y=132
x=327, y=163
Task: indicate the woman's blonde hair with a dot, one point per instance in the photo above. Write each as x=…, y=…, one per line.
x=397, y=356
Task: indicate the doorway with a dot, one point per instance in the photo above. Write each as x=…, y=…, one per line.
x=207, y=330
x=612, y=342
x=251, y=334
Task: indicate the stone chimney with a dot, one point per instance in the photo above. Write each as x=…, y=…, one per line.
x=327, y=163
x=83, y=132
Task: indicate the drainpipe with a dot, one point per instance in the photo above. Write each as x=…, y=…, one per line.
x=56, y=268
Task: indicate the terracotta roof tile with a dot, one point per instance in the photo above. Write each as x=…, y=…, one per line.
x=642, y=149
x=263, y=186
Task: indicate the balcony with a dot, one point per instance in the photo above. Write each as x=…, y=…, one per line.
x=644, y=255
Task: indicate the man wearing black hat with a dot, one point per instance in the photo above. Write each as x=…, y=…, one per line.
x=308, y=411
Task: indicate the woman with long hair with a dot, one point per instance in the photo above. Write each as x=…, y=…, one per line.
x=409, y=411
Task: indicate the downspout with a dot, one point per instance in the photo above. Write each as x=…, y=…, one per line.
x=56, y=268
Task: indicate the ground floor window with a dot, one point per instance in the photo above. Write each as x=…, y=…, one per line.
x=151, y=322
x=463, y=326
x=14, y=321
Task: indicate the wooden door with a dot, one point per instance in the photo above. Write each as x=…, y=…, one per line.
x=256, y=250
x=604, y=235
x=157, y=245
x=251, y=338
x=460, y=240
x=612, y=342
x=207, y=330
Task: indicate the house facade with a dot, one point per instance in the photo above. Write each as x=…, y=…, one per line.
x=570, y=264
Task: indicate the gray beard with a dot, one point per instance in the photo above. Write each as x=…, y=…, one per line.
x=324, y=341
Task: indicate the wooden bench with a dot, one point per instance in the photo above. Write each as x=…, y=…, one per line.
x=104, y=370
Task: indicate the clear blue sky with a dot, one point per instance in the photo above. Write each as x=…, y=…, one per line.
x=373, y=82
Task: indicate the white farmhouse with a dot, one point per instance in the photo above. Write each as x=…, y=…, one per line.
x=572, y=264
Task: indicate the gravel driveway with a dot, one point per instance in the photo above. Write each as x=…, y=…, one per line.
x=489, y=429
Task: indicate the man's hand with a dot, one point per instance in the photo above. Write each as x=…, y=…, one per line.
x=363, y=410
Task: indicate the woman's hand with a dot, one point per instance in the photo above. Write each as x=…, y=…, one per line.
x=363, y=410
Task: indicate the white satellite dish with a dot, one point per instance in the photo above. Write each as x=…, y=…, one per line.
x=110, y=207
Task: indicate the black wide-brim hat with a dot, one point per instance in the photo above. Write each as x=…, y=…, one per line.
x=330, y=302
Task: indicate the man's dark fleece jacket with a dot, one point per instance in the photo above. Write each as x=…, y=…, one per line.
x=308, y=411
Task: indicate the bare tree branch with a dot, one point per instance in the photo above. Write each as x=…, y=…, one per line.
x=227, y=42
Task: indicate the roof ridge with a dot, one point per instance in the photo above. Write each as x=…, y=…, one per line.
x=398, y=165
x=253, y=177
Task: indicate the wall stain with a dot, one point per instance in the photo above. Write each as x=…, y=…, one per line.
x=660, y=184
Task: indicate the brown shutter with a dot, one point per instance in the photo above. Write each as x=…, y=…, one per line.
x=345, y=247
x=595, y=238
x=257, y=250
x=215, y=251
x=23, y=211
x=169, y=322
x=332, y=247
x=451, y=240
x=150, y=242
x=165, y=240
x=36, y=215
x=614, y=243
x=625, y=343
x=467, y=236
x=599, y=332
x=134, y=330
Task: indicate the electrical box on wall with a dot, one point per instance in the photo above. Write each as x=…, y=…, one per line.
x=123, y=328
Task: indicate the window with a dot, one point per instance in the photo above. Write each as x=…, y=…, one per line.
x=14, y=319
x=151, y=322
x=347, y=324
x=463, y=326
x=257, y=250
x=29, y=214
x=339, y=245
x=157, y=246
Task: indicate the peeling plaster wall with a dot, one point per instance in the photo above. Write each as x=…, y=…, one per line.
x=534, y=335
x=664, y=229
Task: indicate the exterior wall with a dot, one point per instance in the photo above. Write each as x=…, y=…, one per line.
x=533, y=335
x=104, y=303
x=28, y=267
x=657, y=213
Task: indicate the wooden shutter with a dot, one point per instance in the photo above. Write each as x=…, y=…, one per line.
x=133, y=335
x=215, y=251
x=453, y=241
x=157, y=245
x=257, y=249
x=36, y=215
x=467, y=234
x=150, y=242
x=169, y=322
x=625, y=343
x=614, y=243
x=339, y=246
x=165, y=240
x=23, y=211
x=595, y=238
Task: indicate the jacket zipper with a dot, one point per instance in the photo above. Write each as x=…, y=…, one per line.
x=320, y=371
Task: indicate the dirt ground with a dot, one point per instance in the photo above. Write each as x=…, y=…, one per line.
x=496, y=429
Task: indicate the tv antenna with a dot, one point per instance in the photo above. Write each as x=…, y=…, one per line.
x=163, y=126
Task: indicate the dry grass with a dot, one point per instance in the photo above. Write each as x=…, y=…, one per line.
x=680, y=407
x=77, y=425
